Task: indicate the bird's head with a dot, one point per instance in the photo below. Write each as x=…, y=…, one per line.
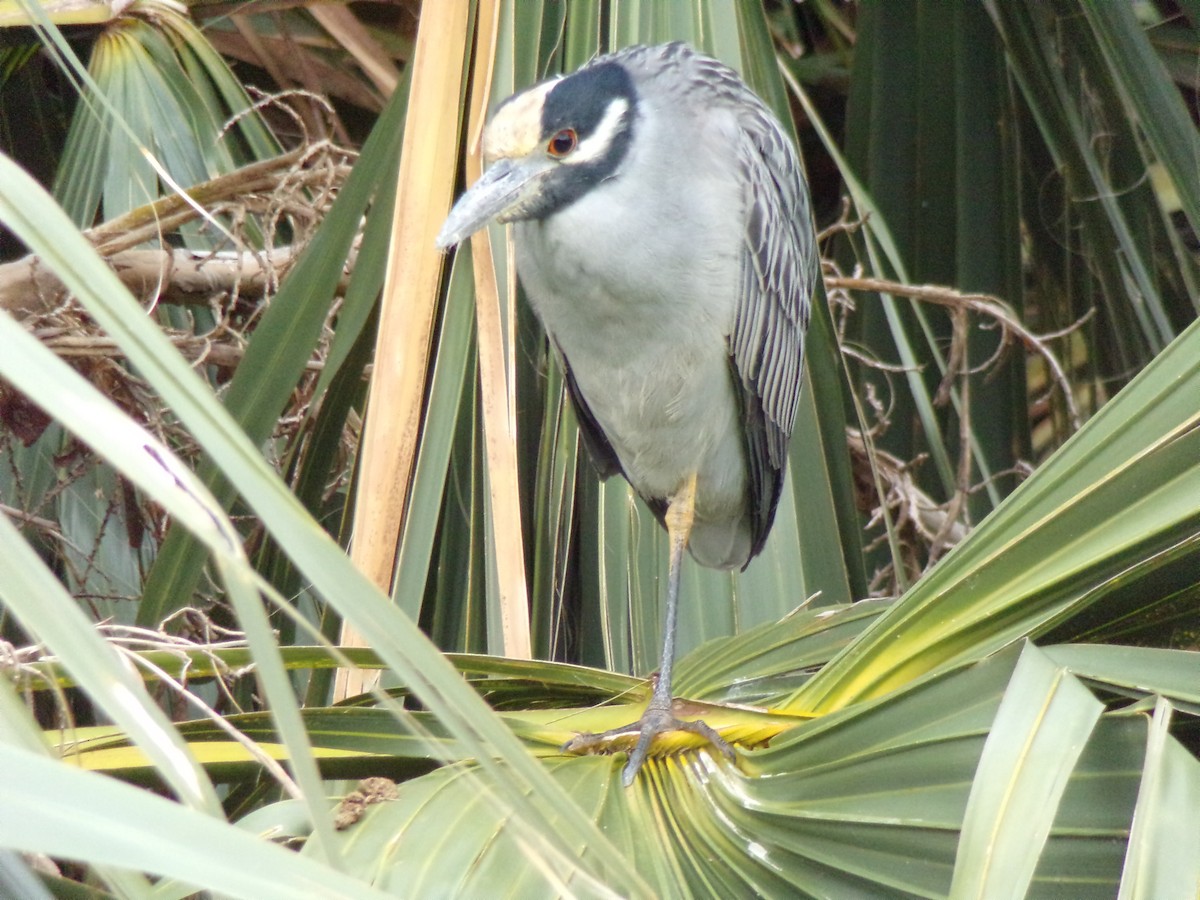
x=547, y=146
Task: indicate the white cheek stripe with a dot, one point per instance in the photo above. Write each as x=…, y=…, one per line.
x=597, y=143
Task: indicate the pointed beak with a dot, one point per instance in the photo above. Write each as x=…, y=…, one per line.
x=500, y=191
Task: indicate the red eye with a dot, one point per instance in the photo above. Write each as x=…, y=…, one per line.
x=562, y=143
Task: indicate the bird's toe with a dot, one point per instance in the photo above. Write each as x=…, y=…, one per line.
x=644, y=731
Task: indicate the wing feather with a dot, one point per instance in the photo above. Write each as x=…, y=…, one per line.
x=779, y=272
x=599, y=448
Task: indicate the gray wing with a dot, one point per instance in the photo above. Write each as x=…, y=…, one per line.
x=779, y=272
x=599, y=449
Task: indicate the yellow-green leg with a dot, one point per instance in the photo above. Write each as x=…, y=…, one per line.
x=659, y=716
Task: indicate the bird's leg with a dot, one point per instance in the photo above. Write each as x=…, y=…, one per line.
x=659, y=716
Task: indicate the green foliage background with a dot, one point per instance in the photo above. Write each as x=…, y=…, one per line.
x=1001, y=703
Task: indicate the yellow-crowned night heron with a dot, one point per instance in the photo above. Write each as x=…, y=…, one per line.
x=664, y=239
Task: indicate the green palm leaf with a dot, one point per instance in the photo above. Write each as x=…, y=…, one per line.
x=921, y=745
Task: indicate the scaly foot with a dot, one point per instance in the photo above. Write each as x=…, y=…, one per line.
x=655, y=720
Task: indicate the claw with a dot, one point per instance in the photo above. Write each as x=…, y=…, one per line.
x=654, y=721
x=659, y=716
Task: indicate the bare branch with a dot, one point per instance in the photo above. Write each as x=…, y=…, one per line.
x=982, y=304
x=173, y=275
